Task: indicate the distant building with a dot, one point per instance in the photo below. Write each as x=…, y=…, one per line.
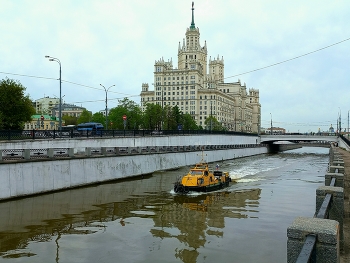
x=45, y=105
x=42, y=122
x=67, y=110
x=199, y=89
x=104, y=112
x=275, y=130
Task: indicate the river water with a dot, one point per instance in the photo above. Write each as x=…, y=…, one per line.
x=142, y=220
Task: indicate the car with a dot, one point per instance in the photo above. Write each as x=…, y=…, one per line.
x=156, y=132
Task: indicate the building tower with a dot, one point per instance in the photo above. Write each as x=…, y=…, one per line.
x=191, y=55
x=198, y=89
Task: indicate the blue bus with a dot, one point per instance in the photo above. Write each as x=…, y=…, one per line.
x=90, y=128
x=69, y=130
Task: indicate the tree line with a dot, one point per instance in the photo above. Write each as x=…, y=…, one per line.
x=16, y=109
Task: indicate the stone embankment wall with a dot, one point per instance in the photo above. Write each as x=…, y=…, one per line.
x=321, y=238
x=23, y=178
x=79, y=144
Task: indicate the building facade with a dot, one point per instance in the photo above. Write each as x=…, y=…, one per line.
x=45, y=105
x=42, y=122
x=67, y=110
x=198, y=88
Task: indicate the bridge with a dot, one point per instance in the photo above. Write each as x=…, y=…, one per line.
x=282, y=142
x=298, y=138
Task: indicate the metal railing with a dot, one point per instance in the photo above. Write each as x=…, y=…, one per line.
x=307, y=253
x=53, y=134
x=10, y=155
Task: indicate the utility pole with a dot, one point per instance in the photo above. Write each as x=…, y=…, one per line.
x=60, y=104
x=348, y=124
x=211, y=115
x=106, y=90
x=271, y=122
x=339, y=121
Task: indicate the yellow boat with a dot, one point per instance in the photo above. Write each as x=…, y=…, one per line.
x=201, y=179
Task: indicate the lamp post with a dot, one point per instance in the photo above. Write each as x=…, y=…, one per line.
x=348, y=123
x=60, y=104
x=106, y=90
x=211, y=115
x=339, y=121
x=271, y=122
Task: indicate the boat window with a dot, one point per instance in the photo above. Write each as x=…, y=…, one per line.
x=194, y=172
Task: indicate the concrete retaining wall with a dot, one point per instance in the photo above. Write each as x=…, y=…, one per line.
x=320, y=239
x=79, y=144
x=343, y=144
x=28, y=178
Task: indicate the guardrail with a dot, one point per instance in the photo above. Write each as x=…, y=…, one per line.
x=319, y=239
x=53, y=134
x=11, y=155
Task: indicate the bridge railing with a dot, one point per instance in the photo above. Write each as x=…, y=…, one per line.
x=54, y=134
x=319, y=239
x=10, y=155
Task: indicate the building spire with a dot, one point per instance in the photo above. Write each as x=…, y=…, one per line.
x=192, y=23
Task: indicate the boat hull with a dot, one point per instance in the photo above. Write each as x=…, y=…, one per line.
x=181, y=189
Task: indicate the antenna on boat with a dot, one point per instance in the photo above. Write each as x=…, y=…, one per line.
x=202, y=156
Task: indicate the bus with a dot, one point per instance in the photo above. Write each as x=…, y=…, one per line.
x=90, y=128
x=69, y=130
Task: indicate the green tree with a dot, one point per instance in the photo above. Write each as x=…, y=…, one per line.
x=98, y=117
x=70, y=120
x=85, y=116
x=170, y=122
x=153, y=117
x=131, y=110
x=16, y=107
x=177, y=115
x=213, y=124
x=188, y=123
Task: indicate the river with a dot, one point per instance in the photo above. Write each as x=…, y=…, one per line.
x=142, y=220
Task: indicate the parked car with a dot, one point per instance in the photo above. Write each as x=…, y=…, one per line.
x=156, y=132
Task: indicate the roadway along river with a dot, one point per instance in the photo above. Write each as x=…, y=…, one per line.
x=142, y=220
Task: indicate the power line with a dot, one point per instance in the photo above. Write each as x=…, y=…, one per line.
x=284, y=61
x=88, y=101
x=28, y=76
x=129, y=95
x=70, y=82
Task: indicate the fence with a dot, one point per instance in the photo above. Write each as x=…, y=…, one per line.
x=319, y=239
x=53, y=134
x=57, y=153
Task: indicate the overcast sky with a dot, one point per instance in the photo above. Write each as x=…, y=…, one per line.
x=117, y=42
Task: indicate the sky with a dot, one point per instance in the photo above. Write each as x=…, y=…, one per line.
x=295, y=52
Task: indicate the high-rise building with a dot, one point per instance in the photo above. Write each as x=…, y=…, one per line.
x=198, y=88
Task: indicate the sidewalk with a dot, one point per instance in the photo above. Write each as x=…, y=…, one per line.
x=345, y=253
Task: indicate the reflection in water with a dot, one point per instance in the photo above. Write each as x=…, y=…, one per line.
x=212, y=208
x=194, y=216
x=119, y=216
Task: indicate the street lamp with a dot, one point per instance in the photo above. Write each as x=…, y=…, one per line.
x=59, y=105
x=271, y=122
x=348, y=123
x=106, y=90
x=339, y=120
x=211, y=115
